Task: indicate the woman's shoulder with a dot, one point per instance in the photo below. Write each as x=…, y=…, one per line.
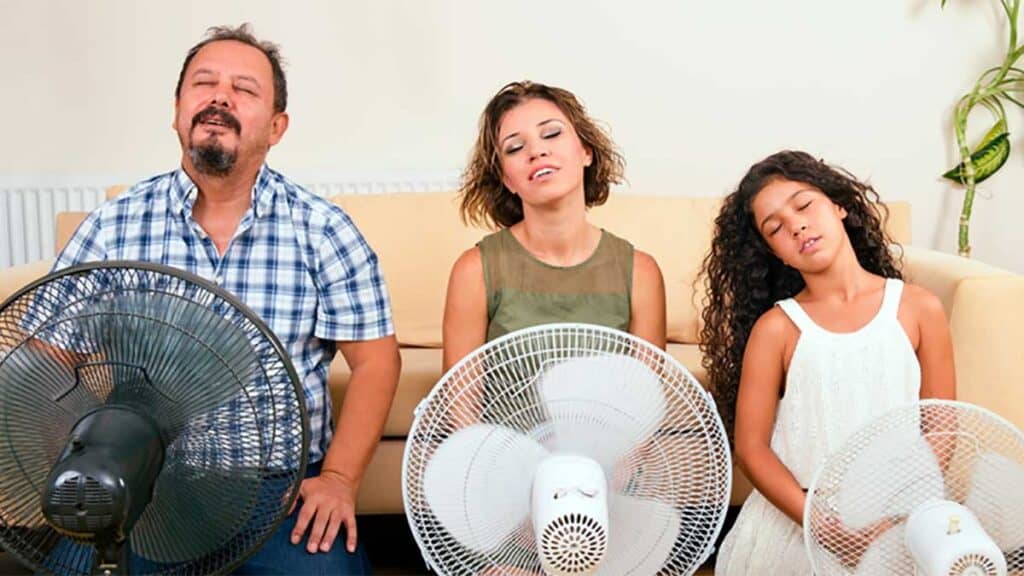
x=645, y=265
x=469, y=262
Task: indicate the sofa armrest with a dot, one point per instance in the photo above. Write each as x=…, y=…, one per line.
x=985, y=306
x=16, y=277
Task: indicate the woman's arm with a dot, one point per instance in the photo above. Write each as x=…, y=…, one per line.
x=464, y=328
x=760, y=386
x=647, y=300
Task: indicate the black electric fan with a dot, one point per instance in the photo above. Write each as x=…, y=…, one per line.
x=149, y=423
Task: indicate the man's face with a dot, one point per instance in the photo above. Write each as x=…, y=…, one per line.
x=224, y=114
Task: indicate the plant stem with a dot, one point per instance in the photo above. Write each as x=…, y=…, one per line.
x=982, y=91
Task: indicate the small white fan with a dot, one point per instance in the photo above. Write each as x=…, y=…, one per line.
x=567, y=449
x=934, y=488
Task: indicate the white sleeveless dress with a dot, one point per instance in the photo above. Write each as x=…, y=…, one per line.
x=835, y=384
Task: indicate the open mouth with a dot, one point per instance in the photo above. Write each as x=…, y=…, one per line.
x=217, y=118
x=809, y=243
x=543, y=172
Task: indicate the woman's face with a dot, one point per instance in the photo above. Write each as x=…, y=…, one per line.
x=801, y=225
x=542, y=157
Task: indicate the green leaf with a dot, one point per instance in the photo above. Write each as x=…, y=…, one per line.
x=988, y=158
x=994, y=132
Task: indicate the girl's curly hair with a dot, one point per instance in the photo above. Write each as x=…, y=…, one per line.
x=484, y=197
x=743, y=278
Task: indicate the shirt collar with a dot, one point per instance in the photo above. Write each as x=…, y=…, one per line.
x=184, y=192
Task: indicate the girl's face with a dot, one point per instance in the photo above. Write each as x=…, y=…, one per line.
x=542, y=157
x=801, y=225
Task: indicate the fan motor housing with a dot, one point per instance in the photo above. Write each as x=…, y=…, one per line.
x=945, y=537
x=104, y=476
x=570, y=511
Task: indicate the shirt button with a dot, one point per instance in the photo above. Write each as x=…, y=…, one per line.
x=220, y=279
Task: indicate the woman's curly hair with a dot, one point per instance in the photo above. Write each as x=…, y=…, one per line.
x=484, y=197
x=742, y=278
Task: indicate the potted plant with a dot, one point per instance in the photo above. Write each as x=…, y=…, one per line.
x=995, y=87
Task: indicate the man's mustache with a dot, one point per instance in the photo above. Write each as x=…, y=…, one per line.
x=219, y=114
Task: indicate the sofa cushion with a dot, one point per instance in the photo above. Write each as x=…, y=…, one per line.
x=18, y=277
x=417, y=237
x=676, y=231
x=421, y=369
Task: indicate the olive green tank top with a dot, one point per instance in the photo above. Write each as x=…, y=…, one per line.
x=522, y=291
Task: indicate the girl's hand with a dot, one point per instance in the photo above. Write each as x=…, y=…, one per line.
x=847, y=544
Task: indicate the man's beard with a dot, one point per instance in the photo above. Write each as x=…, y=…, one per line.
x=210, y=157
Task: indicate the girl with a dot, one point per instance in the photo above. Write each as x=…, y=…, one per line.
x=539, y=163
x=808, y=334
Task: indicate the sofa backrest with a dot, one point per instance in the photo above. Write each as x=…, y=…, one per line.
x=418, y=236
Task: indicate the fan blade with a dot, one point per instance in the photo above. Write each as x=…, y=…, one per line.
x=478, y=483
x=642, y=534
x=194, y=357
x=996, y=499
x=890, y=477
x=601, y=406
x=167, y=532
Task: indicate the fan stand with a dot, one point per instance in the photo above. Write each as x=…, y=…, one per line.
x=111, y=558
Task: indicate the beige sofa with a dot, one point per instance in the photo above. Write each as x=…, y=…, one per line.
x=419, y=235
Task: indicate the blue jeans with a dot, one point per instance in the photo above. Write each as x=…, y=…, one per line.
x=277, y=556
x=280, y=556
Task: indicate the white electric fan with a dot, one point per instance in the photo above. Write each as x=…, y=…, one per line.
x=567, y=449
x=934, y=488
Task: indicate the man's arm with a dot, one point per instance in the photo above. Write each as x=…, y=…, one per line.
x=329, y=499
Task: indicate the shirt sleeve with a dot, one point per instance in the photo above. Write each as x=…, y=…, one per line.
x=353, y=302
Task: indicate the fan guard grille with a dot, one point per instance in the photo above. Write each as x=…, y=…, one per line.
x=892, y=465
x=684, y=462
x=218, y=383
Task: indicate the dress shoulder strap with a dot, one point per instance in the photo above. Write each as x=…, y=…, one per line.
x=891, y=298
x=796, y=314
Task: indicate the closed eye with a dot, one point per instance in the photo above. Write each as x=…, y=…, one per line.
x=805, y=205
x=512, y=149
x=551, y=134
x=774, y=230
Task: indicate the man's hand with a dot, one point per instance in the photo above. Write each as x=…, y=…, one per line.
x=328, y=502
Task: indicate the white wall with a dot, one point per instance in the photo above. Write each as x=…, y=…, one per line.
x=693, y=90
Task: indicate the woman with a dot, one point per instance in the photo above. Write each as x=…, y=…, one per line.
x=539, y=163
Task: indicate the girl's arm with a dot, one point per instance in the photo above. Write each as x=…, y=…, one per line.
x=760, y=385
x=647, y=300
x=935, y=345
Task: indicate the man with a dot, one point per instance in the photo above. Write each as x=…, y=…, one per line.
x=295, y=259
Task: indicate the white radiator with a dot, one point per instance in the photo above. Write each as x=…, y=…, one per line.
x=28, y=213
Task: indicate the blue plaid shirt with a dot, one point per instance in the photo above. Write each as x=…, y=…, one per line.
x=296, y=259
